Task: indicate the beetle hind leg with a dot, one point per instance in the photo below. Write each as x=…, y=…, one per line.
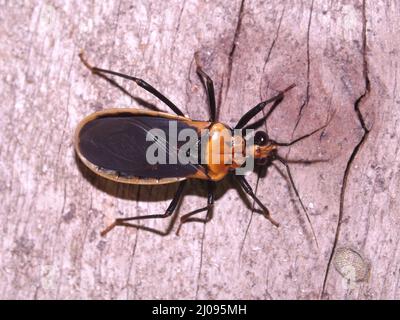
x=170, y=210
x=140, y=82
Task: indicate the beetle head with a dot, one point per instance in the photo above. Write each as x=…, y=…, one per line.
x=263, y=147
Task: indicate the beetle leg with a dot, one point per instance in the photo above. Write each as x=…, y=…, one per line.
x=170, y=210
x=247, y=188
x=258, y=108
x=209, y=86
x=139, y=82
x=210, y=204
x=262, y=120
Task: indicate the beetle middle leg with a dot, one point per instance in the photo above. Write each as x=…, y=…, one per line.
x=170, y=210
x=210, y=204
x=141, y=83
x=247, y=188
x=209, y=86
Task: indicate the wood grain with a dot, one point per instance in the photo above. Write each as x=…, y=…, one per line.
x=343, y=56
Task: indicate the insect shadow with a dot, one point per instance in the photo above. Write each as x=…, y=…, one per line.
x=146, y=193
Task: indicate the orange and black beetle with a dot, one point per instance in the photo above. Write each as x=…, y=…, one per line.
x=113, y=144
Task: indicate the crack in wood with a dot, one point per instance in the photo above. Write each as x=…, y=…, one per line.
x=356, y=149
x=131, y=259
x=62, y=140
x=270, y=51
x=177, y=28
x=116, y=25
x=307, y=98
x=251, y=216
x=233, y=46
x=261, y=97
x=135, y=284
x=201, y=262
x=230, y=65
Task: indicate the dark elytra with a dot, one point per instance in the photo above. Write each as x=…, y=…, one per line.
x=118, y=142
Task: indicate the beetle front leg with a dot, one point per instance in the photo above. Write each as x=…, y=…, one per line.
x=170, y=210
x=247, y=188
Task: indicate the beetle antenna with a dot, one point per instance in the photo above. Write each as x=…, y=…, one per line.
x=283, y=161
x=288, y=144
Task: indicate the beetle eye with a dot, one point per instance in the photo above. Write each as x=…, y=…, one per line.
x=261, y=138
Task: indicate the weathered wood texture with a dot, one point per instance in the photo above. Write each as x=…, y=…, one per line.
x=344, y=58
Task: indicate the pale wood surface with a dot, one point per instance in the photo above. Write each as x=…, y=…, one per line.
x=52, y=208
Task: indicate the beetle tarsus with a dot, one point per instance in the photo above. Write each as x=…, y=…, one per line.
x=289, y=88
x=84, y=61
x=179, y=229
x=247, y=188
x=268, y=216
x=109, y=228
